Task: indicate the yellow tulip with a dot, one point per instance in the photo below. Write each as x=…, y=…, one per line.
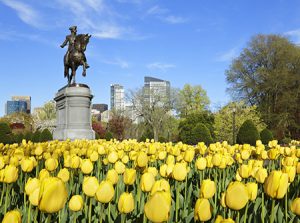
x=76, y=203
x=162, y=155
x=160, y=185
x=179, y=171
x=189, y=155
x=120, y=167
x=10, y=174
x=170, y=160
x=34, y=197
x=252, y=190
x=291, y=171
x=261, y=175
x=203, y=210
x=38, y=150
x=201, y=163
x=273, y=154
x=94, y=156
x=87, y=166
x=157, y=208
x=245, y=154
x=222, y=201
x=2, y=162
x=126, y=203
x=51, y=164
x=27, y=165
x=64, y=175
x=244, y=171
x=129, y=176
x=219, y=219
x=90, y=186
x=298, y=168
x=31, y=185
x=142, y=159
x=228, y=220
x=236, y=196
x=53, y=195
x=105, y=192
x=112, y=157
x=12, y=217
x=43, y=174
x=152, y=170
x=75, y=162
x=14, y=161
x=207, y=189
x=276, y=184
x=147, y=181
x=125, y=159
x=216, y=159
x=295, y=206
x=112, y=176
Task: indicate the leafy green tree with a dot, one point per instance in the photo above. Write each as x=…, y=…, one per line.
x=266, y=135
x=19, y=117
x=191, y=99
x=154, y=110
x=248, y=133
x=266, y=74
x=118, y=123
x=45, y=136
x=235, y=113
x=6, y=136
x=45, y=117
x=36, y=136
x=187, y=126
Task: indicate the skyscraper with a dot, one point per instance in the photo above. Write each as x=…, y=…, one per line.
x=23, y=98
x=154, y=87
x=15, y=106
x=117, y=97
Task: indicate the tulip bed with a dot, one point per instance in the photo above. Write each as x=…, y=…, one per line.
x=128, y=181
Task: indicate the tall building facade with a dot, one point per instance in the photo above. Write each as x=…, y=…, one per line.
x=15, y=106
x=23, y=98
x=117, y=95
x=154, y=87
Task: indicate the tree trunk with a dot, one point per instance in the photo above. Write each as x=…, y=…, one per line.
x=155, y=134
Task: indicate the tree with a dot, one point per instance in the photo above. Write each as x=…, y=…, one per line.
x=266, y=135
x=118, y=123
x=188, y=133
x=155, y=110
x=266, y=74
x=191, y=99
x=6, y=136
x=98, y=128
x=45, y=136
x=240, y=112
x=248, y=133
x=21, y=118
x=45, y=117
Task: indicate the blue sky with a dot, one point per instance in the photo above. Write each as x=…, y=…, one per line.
x=191, y=41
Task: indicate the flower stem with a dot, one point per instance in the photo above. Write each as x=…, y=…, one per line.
x=28, y=214
x=272, y=211
x=246, y=212
x=177, y=202
x=262, y=207
x=90, y=210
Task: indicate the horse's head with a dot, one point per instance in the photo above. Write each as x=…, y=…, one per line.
x=81, y=41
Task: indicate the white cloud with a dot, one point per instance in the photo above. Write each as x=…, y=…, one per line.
x=160, y=66
x=294, y=34
x=228, y=55
x=156, y=10
x=174, y=19
x=117, y=62
x=25, y=12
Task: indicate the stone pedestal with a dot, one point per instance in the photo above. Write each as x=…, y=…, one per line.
x=73, y=113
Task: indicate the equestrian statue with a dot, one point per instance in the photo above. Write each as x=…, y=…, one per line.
x=75, y=56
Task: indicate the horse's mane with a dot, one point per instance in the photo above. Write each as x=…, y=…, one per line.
x=80, y=38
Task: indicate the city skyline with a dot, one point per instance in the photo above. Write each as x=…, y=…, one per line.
x=184, y=43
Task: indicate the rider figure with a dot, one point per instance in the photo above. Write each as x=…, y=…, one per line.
x=71, y=39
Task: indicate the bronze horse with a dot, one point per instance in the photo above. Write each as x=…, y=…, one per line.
x=76, y=57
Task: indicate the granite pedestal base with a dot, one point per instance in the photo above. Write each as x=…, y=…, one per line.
x=73, y=113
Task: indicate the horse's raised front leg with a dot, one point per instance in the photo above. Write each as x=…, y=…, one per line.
x=73, y=72
x=83, y=69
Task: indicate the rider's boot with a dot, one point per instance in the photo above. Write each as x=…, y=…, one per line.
x=87, y=65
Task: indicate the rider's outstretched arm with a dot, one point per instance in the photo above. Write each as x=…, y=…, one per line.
x=64, y=43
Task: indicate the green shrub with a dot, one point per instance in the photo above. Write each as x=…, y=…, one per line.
x=97, y=136
x=108, y=136
x=45, y=136
x=248, y=133
x=266, y=135
x=28, y=136
x=6, y=136
x=36, y=136
x=18, y=138
x=201, y=134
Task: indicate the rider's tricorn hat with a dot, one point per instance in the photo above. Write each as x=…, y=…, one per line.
x=73, y=28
